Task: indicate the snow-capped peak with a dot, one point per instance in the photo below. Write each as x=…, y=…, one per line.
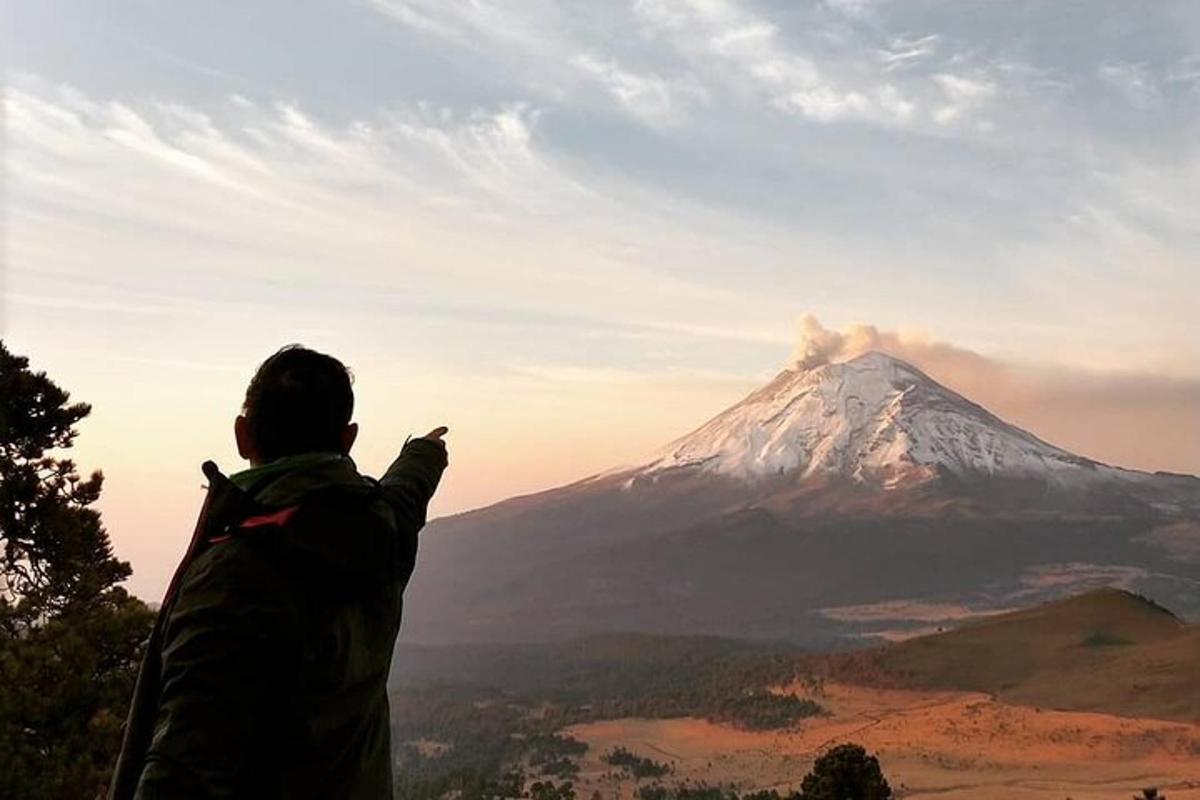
x=873, y=419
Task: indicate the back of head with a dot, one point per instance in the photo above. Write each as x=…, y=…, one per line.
x=299, y=401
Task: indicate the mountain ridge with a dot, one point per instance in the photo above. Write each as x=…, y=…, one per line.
x=861, y=482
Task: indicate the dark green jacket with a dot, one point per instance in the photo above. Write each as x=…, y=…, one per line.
x=266, y=673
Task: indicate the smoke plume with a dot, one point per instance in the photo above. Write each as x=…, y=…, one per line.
x=1129, y=419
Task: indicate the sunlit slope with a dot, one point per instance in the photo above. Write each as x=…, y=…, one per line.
x=1107, y=650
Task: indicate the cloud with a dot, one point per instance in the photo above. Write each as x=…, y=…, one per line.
x=905, y=51
x=824, y=63
x=1132, y=419
x=963, y=94
x=825, y=73
x=648, y=97
x=750, y=48
x=274, y=160
x=543, y=45
x=468, y=215
x=1186, y=71
x=419, y=16
x=1134, y=82
x=855, y=9
x=964, y=90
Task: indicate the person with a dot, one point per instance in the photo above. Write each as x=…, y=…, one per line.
x=266, y=673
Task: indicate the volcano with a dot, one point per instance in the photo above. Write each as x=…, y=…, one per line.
x=850, y=499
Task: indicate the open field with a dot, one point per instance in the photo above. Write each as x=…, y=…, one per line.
x=944, y=744
x=1092, y=696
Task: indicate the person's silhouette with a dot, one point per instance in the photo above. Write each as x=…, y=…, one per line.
x=266, y=674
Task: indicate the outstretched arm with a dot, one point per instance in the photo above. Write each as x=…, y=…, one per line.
x=411, y=480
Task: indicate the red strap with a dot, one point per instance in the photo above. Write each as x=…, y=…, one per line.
x=279, y=517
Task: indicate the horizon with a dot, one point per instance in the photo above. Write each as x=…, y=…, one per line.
x=571, y=267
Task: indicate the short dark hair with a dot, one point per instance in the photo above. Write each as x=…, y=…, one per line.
x=299, y=401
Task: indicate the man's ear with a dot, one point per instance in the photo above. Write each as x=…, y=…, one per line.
x=241, y=433
x=349, y=434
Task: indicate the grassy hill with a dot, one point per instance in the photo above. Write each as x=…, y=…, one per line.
x=1106, y=650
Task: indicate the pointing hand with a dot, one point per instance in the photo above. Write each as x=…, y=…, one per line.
x=436, y=434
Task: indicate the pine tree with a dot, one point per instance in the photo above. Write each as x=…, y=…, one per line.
x=70, y=635
x=846, y=772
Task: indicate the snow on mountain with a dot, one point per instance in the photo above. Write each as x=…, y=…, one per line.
x=860, y=483
x=873, y=419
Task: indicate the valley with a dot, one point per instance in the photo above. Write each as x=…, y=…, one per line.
x=955, y=745
x=1093, y=696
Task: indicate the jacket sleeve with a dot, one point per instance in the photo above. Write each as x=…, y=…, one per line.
x=411, y=481
x=226, y=647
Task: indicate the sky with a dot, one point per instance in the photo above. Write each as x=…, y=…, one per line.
x=573, y=231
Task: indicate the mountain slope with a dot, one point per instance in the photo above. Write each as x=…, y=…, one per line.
x=1105, y=650
x=863, y=483
x=878, y=422
x=872, y=419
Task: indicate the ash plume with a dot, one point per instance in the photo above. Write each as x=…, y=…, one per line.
x=817, y=345
x=1134, y=419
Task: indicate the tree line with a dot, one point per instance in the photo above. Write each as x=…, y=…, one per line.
x=70, y=636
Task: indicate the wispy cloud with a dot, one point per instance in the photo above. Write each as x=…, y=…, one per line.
x=749, y=50
x=267, y=192
x=904, y=51
x=551, y=51
x=963, y=94
x=710, y=52
x=1133, y=82
x=647, y=96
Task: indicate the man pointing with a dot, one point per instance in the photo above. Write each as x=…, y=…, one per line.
x=266, y=674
